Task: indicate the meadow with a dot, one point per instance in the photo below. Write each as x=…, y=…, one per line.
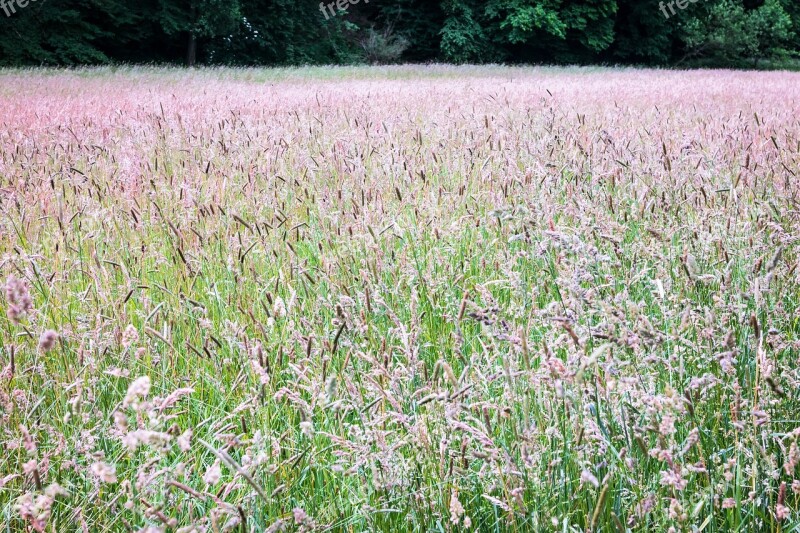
x=399, y=299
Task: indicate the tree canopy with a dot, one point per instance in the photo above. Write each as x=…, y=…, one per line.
x=298, y=32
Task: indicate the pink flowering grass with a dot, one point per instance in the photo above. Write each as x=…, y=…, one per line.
x=413, y=298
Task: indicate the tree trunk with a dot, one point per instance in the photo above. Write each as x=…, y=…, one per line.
x=191, y=50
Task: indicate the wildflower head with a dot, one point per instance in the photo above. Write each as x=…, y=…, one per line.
x=130, y=336
x=48, y=340
x=137, y=390
x=19, y=299
x=213, y=474
x=104, y=472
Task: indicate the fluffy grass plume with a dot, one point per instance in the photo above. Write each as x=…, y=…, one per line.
x=411, y=299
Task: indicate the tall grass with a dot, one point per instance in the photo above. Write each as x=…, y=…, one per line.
x=515, y=300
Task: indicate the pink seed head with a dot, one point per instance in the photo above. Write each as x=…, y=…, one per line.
x=48, y=340
x=19, y=299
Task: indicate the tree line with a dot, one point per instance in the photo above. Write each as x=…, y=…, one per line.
x=738, y=33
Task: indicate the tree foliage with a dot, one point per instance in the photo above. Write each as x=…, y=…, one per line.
x=295, y=32
x=727, y=33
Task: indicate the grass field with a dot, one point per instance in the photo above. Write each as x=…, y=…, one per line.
x=399, y=299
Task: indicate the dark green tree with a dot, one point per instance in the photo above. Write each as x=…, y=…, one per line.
x=464, y=39
x=55, y=32
x=725, y=33
x=792, y=8
x=553, y=30
x=197, y=20
x=285, y=32
x=743, y=33
x=642, y=34
x=418, y=21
